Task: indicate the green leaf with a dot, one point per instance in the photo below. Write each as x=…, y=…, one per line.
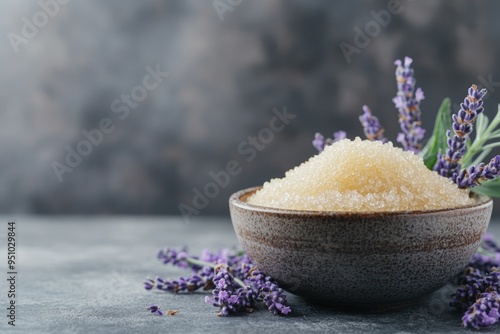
x=489, y=188
x=485, y=134
x=480, y=157
x=481, y=124
x=438, y=141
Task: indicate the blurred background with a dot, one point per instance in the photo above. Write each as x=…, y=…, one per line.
x=131, y=107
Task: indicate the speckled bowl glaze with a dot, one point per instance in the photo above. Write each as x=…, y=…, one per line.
x=363, y=260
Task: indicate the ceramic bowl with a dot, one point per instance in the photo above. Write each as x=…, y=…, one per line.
x=360, y=259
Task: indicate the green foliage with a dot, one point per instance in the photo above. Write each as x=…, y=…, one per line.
x=489, y=188
x=485, y=131
x=477, y=150
x=438, y=142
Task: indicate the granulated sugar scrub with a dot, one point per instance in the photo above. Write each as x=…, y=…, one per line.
x=362, y=176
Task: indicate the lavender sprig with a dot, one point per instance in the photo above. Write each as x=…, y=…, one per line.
x=484, y=312
x=320, y=142
x=448, y=164
x=471, y=177
x=371, y=126
x=269, y=291
x=473, y=283
x=237, y=285
x=183, y=284
x=202, y=268
x=407, y=101
x=479, y=288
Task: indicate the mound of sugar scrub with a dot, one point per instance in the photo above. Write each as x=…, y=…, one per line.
x=361, y=176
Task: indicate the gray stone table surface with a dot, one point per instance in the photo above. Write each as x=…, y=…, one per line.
x=85, y=274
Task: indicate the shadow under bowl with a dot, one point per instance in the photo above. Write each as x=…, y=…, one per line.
x=361, y=260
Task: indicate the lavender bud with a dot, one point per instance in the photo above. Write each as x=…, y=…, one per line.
x=407, y=101
x=155, y=309
x=471, y=177
x=320, y=142
x=371, y=126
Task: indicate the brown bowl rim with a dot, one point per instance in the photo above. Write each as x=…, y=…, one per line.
x=482, y=201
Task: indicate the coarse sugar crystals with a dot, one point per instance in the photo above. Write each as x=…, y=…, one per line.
x=361, y=176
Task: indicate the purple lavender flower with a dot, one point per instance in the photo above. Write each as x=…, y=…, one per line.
x=149, y=284
x=371, y=126
x=222, y=256
x=485, y=261
x=177, y=257
x=320, y=142
x=448, y=164
x=155, y=309
x=274, y=297
x=247, y=298
x=237, y=285
x=243, y=269
x=484, y=312
x=183, y=284
x=478, y=293
x=226, y=295
x=480, y=276
x=489, y=243
x=471, y=177
x=339, y=135
x=231, y=297
x=487, y=256
x=474, y=283
x=269, y=291
x=407, y=101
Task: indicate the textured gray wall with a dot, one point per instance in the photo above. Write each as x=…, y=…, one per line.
x=226, y=76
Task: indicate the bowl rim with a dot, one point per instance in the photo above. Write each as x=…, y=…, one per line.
x=482, y=201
